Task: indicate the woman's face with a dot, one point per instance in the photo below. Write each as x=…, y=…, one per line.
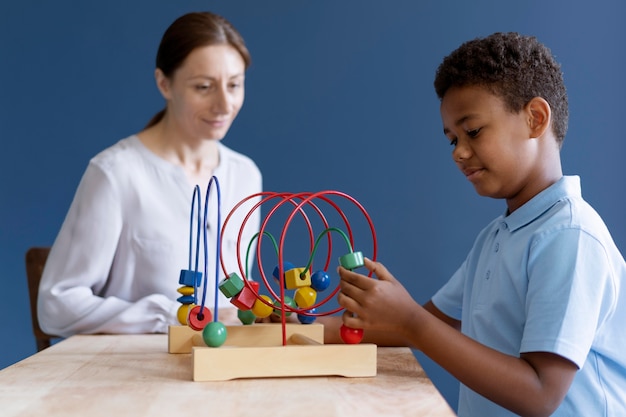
x=205, y=93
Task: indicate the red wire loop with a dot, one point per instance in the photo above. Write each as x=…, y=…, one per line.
x=299, y=201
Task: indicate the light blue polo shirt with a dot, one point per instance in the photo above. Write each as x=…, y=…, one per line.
x=547, y=277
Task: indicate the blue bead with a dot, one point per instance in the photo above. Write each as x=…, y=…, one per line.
x=307, y=319
x=187, y=278
x=286, y=267
x=186, y=299
x=320, y=280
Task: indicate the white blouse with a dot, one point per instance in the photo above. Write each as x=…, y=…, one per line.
x=115, y=264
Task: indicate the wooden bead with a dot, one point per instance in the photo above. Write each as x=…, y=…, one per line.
x=183, y=312
x=231, y=285
x=306, y=319
x=199, y=317
x=296, y=278
x=352, y=260
x=305, y=297
x=288, y=303
x=320, y=281
x=244, y=300
x=246, y=316
x=186, y=290
x=286, y=267
x=186, y=299
x=349, y=335
x=190, y=278
x=255, y=285
x=214, y=334
x=260, y=309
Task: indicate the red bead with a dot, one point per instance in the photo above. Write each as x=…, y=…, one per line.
x=349, y=335
x=255, y=285
x=244, y=300
x=198, y=321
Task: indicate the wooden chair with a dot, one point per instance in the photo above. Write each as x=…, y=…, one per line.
x=35, y=260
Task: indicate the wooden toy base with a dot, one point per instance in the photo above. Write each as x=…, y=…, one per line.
x=256, y=351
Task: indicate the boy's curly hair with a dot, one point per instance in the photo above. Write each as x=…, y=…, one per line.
x=514, y=67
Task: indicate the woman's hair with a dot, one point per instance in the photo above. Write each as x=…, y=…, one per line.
x=514, y=67
x=191, y=31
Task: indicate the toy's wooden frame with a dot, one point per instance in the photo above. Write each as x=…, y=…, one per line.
x=256, y=351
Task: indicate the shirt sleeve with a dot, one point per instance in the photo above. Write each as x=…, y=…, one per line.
x=78, y=267
x=570, y=292
x=449, y=298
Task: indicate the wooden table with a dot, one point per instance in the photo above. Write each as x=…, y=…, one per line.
x=124, y=375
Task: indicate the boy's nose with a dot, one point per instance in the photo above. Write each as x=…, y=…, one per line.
x=461, y=152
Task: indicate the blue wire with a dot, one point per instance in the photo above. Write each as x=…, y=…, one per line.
x=194, y=197
x=217, y=245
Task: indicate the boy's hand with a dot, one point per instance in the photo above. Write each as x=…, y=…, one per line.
x=379, y=304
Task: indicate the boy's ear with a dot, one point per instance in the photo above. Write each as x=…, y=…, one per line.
x=539, y=116
x=163, y=83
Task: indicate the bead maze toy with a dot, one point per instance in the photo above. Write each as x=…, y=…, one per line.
x=254, y=349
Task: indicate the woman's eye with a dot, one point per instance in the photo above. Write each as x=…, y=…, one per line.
x=453, y=142
x=202, y=87
x=473, y=133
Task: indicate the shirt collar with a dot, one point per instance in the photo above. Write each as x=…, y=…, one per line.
x=566, y=187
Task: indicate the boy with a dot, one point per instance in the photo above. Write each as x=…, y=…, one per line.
x=532, y=323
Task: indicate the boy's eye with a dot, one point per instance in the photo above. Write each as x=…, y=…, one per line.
x=473, y=133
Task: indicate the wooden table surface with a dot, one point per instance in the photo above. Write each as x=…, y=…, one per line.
x=124, y=375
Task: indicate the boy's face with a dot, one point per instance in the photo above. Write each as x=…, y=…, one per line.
x=493, y=147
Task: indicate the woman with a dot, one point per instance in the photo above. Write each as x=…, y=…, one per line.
x=115, y=264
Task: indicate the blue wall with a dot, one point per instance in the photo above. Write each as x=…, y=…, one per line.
x=339, y=97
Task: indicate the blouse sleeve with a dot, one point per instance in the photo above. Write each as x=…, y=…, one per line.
x=78, y=267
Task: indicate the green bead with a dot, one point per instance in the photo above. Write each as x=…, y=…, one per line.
x=231, y=285
x=352, y=260
x=246, y=316
x=289, y=302
x=214, y=334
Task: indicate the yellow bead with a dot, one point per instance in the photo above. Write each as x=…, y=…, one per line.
x=185, y=290
x=305, y=297
x=183, y=312
x=296, y=278
x=260, y=309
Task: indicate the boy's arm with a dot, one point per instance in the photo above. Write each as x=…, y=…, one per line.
x=432, y=309
x=533, y=384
